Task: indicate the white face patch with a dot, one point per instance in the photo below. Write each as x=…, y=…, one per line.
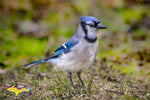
x=91, y=29
x=90, y=23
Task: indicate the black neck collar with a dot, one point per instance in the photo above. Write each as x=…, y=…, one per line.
x=90, y=40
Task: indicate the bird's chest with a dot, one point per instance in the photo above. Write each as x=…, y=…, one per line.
x=90, y=53
x=79, y=59
x=91, y=56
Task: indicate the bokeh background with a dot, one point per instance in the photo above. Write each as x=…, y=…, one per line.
x=32, y=29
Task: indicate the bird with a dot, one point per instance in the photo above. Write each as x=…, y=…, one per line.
x=79, y=52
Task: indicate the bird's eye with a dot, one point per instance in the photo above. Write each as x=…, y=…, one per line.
x=91, y=25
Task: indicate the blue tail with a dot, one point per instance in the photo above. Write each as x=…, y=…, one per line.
x=33, y=63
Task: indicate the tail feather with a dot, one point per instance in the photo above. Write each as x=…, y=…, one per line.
x=32, y=64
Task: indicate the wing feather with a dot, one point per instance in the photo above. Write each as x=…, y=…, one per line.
x=65, y=48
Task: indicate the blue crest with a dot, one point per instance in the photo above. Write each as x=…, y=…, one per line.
x=89, y=18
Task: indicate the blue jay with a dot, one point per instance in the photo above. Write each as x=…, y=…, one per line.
x=79, y=52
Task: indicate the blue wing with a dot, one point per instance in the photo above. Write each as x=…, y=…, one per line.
x=65, y=48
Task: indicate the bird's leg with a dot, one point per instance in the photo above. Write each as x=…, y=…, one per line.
x=69, y=74
x=78, y=74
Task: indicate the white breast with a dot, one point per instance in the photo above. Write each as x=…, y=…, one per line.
x=79, y=59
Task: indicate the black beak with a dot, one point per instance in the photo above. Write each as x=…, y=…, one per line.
x=100, y=26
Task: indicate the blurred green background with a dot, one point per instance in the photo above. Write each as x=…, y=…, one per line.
x=32, y=29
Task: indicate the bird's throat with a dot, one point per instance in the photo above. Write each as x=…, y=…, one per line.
x=91, y=40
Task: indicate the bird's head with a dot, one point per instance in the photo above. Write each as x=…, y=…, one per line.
x=90, y=25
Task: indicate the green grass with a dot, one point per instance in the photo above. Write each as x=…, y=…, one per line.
x=114, y=74
x=105, y=83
